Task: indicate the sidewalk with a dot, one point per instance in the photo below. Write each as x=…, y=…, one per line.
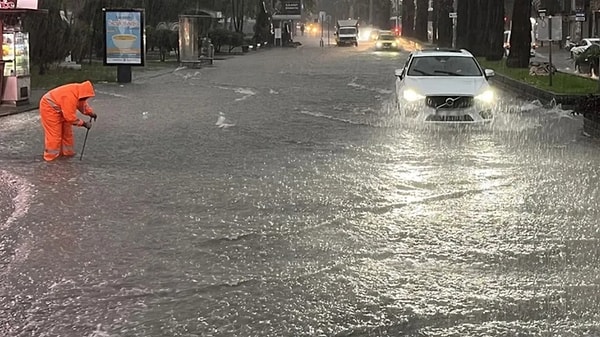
x=34, y=98
x=561, y=58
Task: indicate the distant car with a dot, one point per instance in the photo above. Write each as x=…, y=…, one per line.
x=387, y=41
x=445, y=86
x=374, y=34
x=386, y=32
x=507, y=44
x=368, y=33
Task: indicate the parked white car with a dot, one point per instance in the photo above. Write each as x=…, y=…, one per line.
x=445, y=86
x=582, y=45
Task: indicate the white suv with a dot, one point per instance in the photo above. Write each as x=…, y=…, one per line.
x=445, y=86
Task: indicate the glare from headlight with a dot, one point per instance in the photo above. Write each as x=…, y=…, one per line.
x=411, y=95
x=487, y=96
x=378, y=44
x=393, y=44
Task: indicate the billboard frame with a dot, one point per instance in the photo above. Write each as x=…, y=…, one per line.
x=132, y=53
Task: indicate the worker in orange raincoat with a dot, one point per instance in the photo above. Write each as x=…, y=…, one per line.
x=58, y=112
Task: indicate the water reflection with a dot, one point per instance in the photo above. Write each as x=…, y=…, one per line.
x=329, y=219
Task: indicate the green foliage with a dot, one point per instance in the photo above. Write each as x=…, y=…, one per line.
x=262, y=28
x=222, y=36
x=166, y=40
x=54, y=77
x=49, y=37
x=562, y=83
x=237, y=39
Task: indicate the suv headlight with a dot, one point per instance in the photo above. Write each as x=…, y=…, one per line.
x=486, y=97
x=411, y=95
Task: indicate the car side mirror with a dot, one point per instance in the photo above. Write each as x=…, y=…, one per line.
x=399, y=73
x=489, y=73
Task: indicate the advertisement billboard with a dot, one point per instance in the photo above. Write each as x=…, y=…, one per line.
x=124, y=37
x=18, y=4
x=287, y=9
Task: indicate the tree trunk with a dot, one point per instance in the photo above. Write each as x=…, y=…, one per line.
x=478, y=27
x=520, y=36
x=421, y=20
x=408, y=18
x=495, y=35
x=434, y=21
x=445, y=28
x=462, y=23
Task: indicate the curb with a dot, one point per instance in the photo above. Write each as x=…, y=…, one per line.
x=544, y=96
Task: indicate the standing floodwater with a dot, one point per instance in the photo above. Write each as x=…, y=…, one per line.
x=278, y=193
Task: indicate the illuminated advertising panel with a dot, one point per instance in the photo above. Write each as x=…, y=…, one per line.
x=18, y=4
x=124, y=37
x=287, y=9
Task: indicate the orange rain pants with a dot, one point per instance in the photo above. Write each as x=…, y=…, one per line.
x=58, y=112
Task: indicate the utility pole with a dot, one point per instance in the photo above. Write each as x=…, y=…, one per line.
x=454, y=17
x=550, y=49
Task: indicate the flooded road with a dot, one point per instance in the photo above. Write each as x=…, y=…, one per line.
x=279, y=193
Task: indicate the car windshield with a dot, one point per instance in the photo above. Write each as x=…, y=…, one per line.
x=387, y=37
x=347, y=31
x=444, y=66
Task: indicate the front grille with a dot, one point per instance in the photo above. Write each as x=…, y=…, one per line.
x=449, y=102
x=441, y=118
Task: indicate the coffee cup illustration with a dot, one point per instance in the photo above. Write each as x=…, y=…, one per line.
x=124, y=41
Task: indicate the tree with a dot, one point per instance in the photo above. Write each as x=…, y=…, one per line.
x=494, y=50
x=462, y=23
x=421, y=20
x=444, y=26
x=408, y=18
x=520, y=36
x=49, y=35
x=237, y=15
x=263, y=25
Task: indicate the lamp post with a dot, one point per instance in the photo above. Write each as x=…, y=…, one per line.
x=321, y=18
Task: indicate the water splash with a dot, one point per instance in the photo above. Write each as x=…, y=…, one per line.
x=22, y=194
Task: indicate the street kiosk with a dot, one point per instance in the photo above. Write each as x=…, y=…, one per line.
x=15, y=84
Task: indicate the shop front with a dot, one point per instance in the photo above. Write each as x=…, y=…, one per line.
x=15, y=68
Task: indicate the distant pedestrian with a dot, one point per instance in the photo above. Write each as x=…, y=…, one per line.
x=302, y=29
x=58, y=112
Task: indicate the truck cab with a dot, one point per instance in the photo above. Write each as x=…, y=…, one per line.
x=346, y=33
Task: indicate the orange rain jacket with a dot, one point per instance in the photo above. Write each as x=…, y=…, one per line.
x=58, y=111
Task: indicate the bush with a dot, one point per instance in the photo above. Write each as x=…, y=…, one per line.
x=222, y=36
x=237, y=39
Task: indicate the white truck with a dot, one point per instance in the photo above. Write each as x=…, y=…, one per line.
x=346, y=32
